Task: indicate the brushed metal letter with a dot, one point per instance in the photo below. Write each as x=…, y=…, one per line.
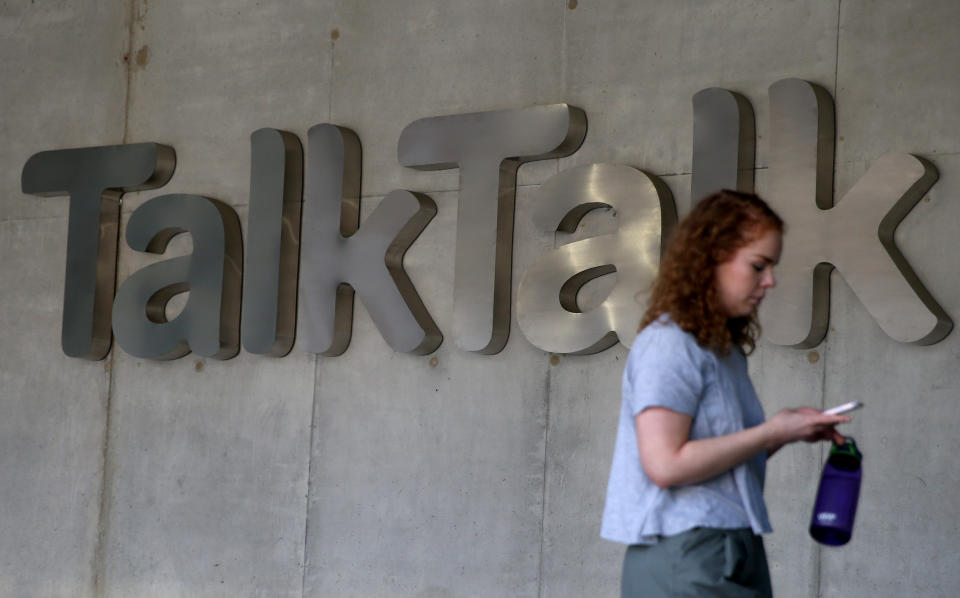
x=339, y=256
x=95, y=178
x=855, y=236
x=488, y=147
x=724, y=140
x=273, y=243
x=547, y=312
x=209, y=323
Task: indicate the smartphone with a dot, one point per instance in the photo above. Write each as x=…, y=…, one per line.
x=845, y=408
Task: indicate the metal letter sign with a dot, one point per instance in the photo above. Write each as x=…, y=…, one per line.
x=856, y=236
x=724, y=140
x=209, y=324
x=340, y=257
x=273, y=242
x=547, y=310
x=488, y=147
x=95, y=178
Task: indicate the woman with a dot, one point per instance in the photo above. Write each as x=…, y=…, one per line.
x=686, y=484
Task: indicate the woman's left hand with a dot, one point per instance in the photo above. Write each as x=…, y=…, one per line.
x=807, y=424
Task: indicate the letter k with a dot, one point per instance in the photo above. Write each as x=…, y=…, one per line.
x=855, y=236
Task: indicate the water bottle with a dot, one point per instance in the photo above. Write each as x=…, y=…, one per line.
x=836, y=505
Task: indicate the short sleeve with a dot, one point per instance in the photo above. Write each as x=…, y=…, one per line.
x=664, y=369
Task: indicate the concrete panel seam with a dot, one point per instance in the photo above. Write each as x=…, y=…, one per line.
x=306, y=516
x=818, y=577
x=563, y=49
x=836, y=57
x=103, y=513
x=333, y=49
x=543, y=493
x=129, y=56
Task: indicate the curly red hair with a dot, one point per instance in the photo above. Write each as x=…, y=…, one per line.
x=685, y=287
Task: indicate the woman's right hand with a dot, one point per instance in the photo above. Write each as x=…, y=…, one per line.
x=805, y=423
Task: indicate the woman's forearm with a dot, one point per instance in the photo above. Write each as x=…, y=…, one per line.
x=670, y=458
x=697, y=460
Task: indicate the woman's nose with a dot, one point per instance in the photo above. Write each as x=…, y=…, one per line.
x=769, y=281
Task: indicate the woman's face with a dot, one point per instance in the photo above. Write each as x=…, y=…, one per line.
x=743, y=280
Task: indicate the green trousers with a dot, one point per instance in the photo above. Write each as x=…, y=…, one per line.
x=700, y=563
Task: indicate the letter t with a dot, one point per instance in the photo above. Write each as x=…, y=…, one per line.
x=488, y=147
x=95, y=178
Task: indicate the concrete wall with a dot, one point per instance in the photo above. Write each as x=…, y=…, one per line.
x=454, y=474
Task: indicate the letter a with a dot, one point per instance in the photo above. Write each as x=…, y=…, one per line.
x=209, y=323
x=547, y=309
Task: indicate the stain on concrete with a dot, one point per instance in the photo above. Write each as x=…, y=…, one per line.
x=554, y=359
x=813, y=357
x=142, y=57
x=572, y=4
x=335, y=34
x=434, y=361
x=198, y=365
x=140, y=15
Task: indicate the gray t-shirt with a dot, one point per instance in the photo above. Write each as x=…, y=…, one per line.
x=667, y=368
